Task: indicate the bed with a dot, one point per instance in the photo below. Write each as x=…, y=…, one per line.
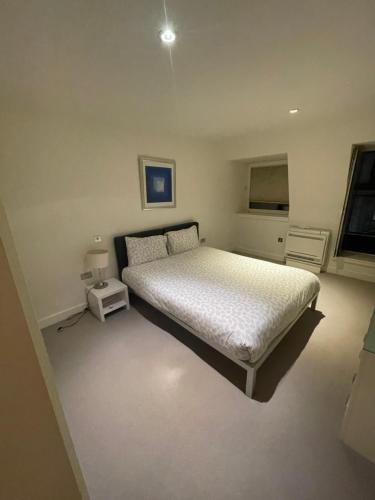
x=242, y=307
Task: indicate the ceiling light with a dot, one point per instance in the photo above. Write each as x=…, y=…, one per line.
x=168, y=36
x=294, y=111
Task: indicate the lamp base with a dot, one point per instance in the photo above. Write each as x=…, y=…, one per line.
x=100, y=284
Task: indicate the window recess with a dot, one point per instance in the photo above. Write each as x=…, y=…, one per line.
x=269, y=185
x=357, y=227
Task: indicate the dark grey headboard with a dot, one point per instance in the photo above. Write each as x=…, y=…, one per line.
x=120, y=247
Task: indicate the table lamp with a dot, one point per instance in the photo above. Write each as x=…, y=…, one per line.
x=97, y=260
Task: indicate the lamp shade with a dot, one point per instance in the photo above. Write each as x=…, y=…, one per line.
x=97, y=259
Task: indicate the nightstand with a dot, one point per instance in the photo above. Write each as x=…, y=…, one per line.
x=106, y=300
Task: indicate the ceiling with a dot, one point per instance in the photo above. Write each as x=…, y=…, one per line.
x=237, y=65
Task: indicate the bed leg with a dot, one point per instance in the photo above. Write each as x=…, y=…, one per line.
x=313, y=303
x=250, y=381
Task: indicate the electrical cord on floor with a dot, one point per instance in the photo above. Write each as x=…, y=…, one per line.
x=80, y=316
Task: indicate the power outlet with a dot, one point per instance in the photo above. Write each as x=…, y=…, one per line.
x=86, y=276
x=280, y=240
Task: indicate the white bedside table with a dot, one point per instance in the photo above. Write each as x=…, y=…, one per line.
x=108, y=299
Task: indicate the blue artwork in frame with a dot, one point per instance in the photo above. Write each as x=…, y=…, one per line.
x=158, y=184
x=158, y=181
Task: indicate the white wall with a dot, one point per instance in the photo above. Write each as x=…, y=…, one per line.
x=258, y=235
x=318, y=163
x=63, y=180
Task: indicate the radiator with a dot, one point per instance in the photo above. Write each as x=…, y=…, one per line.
x=306, y=248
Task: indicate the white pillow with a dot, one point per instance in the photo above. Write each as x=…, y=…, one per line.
x=141, y=250
x=182, y=240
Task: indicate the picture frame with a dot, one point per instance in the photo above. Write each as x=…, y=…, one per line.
x=157, y=178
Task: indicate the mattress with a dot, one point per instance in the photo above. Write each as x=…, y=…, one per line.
x=238, y=303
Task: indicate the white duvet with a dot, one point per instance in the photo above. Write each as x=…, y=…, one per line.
x=239, y=303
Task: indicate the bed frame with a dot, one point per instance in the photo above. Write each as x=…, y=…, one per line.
x=251, y=368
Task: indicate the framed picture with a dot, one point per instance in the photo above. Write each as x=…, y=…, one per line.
x=158, y=182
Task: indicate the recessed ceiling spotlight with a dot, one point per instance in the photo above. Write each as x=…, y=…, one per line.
x=168, y=36
x=294, y=111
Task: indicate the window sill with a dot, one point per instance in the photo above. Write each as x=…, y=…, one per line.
x=265, y=215
x=366, y=260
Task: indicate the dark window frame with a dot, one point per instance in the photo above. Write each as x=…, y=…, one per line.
x=362, y=239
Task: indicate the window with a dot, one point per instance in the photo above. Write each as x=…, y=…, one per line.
x=357, y=229
x=269, y=189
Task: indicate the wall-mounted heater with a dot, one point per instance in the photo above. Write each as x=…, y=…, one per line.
x=306, y=248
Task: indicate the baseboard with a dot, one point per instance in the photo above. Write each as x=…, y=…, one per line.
x=257, y=253
x=229, y=249
x=60, y=316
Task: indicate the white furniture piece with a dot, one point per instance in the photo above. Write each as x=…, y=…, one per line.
x=306, y=248
x=358, y=428
x=106, y=300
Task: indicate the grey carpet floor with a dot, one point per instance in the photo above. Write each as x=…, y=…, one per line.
x=156, y=414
